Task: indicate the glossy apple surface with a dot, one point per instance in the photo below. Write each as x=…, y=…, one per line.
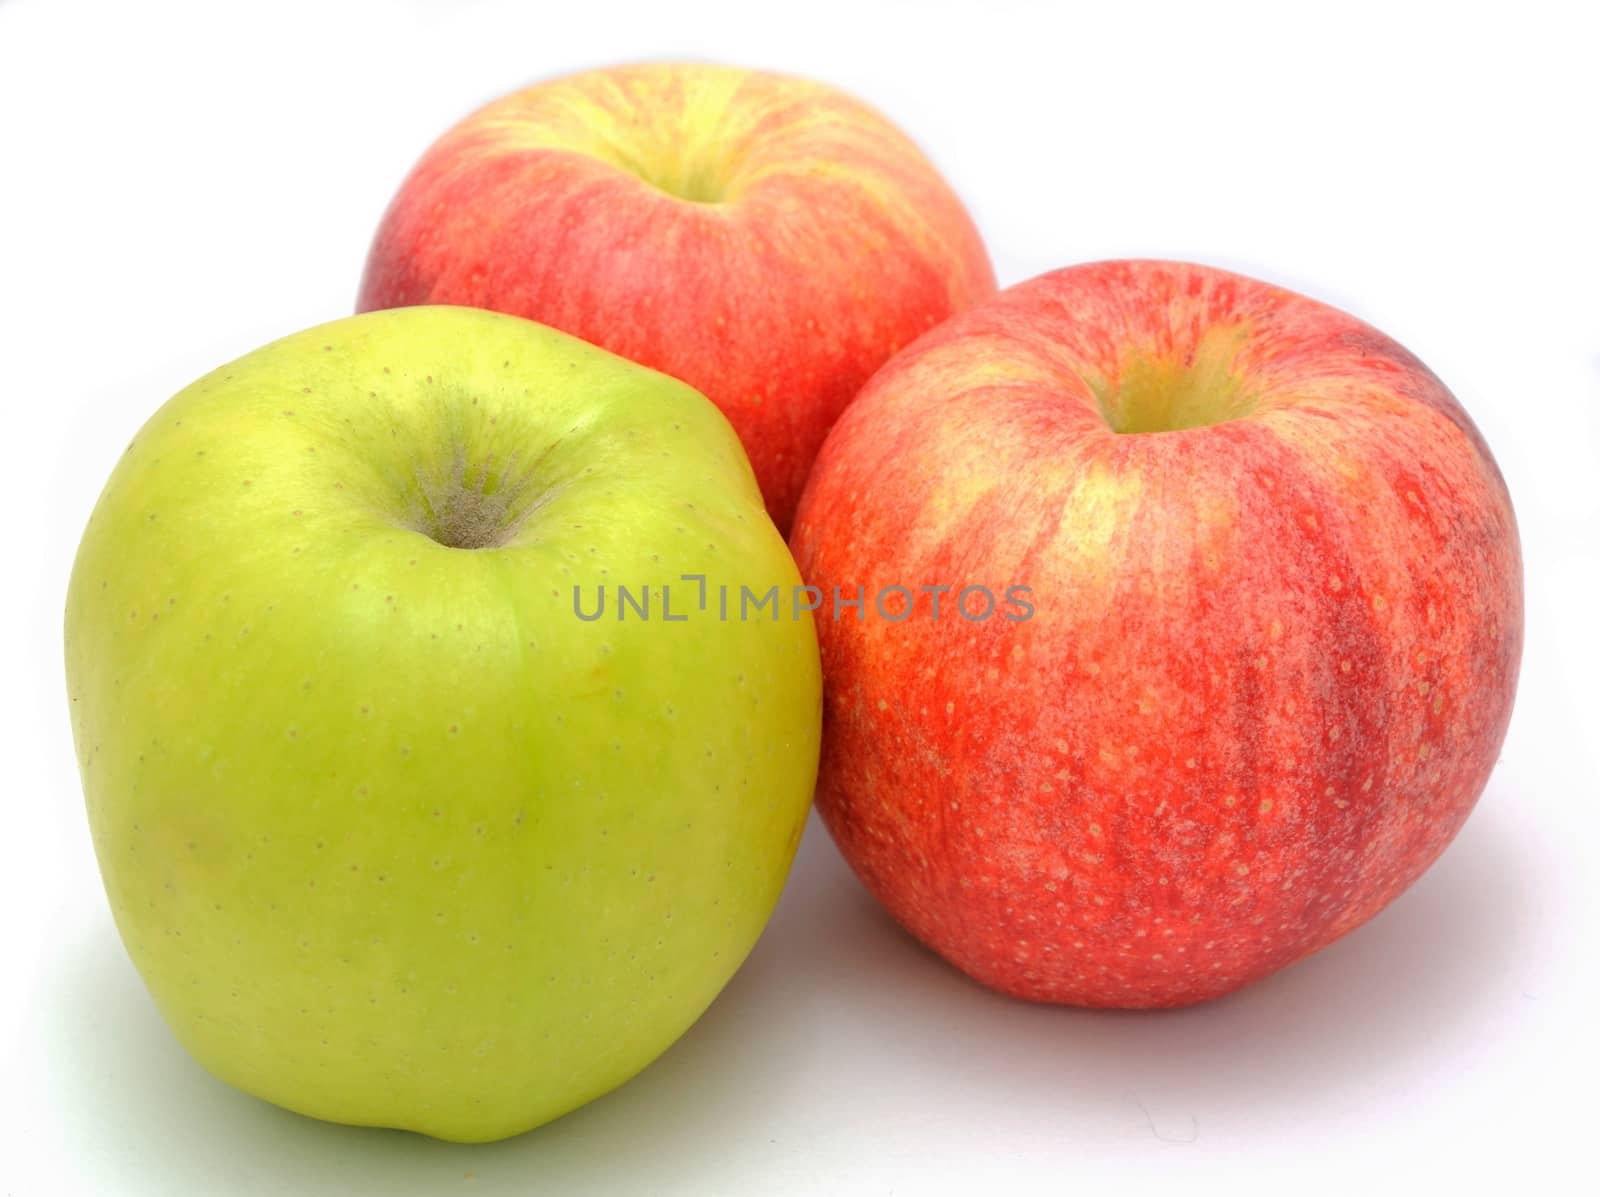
x=1277, y=621
x=392, y=835
x=768, y=239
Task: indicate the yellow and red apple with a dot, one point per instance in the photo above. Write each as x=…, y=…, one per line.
x=1276, y=621
x=769, y=240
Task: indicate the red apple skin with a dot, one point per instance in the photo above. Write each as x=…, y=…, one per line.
x=769, y=240
x=1271, y=660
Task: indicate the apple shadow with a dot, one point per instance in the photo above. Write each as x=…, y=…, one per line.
x=837, y=998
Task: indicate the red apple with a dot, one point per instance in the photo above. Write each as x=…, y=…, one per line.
x=1276, y=620
x=769, y=240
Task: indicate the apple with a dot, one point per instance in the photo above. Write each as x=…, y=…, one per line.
x=396, y=831
x=1257, y=666
x=767, y=239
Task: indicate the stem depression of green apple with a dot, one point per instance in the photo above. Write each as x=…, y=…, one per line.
x=393, y=837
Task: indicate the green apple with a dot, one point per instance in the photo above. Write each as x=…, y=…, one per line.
x=394, y=836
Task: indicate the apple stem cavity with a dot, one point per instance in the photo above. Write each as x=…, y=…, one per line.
x=1165, y=393
x=459, y=514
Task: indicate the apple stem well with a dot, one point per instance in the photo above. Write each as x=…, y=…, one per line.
x=454, y=513
x=690, y=181
x=1167, y=393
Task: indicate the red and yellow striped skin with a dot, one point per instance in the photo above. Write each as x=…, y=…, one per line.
x=766, y=239
x=1272, y=658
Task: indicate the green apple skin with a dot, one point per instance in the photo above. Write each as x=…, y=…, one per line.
x=392, y=836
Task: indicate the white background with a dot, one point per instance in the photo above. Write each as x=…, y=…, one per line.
x=180, y=183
